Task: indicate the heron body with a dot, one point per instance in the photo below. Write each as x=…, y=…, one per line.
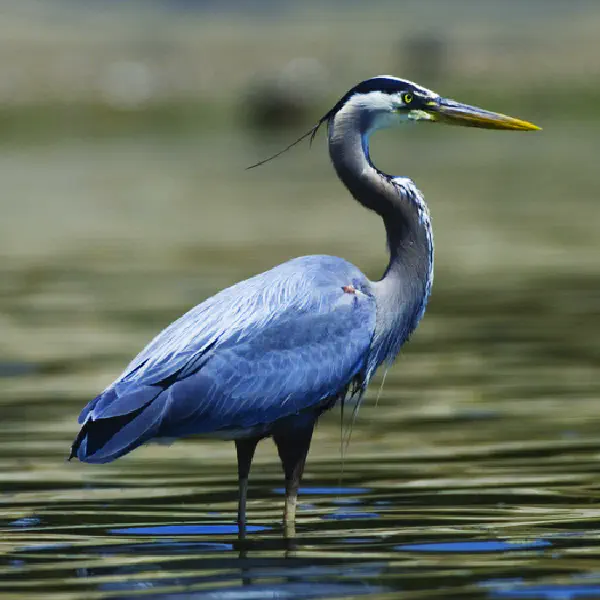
x=280, y=344
x=268, y=355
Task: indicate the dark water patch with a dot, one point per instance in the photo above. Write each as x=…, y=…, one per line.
x=160, y=547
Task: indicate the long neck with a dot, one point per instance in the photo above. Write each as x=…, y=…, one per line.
x=403, y=291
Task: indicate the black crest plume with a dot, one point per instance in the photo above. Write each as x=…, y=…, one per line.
x=310, y=133
x=383, y=83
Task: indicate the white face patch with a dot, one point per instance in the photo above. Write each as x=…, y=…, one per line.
x=382, y=110
x=372, y=102
x=420, y=115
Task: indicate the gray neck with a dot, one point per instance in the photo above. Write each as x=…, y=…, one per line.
x=402, y=292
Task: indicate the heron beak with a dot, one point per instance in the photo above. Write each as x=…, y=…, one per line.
x=448, y=111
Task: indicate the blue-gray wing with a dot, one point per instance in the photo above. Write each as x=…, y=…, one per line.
x=266, y=348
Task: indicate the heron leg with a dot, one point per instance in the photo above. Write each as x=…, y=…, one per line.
x=245, y=453
x=293, y=446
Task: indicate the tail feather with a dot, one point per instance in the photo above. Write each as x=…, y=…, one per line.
x=119, y=399
x=105, y=439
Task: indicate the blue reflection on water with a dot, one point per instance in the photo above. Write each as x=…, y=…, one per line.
x=44, y=547
x=476, y=546
x=339, y=515
x=185, y=530
x=549, y=592
x=325, y=491
x=26, y=522
x=346, y=501
x=17, y=369
x=280, y=591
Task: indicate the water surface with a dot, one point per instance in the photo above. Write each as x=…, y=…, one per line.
x=474, y=476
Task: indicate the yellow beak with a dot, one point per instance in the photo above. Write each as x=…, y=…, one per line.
x=448, y=111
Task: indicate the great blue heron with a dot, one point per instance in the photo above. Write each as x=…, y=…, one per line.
x=267, y=356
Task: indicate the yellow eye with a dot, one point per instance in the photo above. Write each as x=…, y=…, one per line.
x=407, y=98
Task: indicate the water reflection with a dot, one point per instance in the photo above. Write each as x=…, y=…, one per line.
x=513, y=538
x=522, y=590
x=475, y=546
x=185, y=530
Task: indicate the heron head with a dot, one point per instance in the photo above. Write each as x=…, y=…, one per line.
x=385, y=101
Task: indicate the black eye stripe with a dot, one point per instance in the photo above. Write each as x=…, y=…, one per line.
x=385, y=85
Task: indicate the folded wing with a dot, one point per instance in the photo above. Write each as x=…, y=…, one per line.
x=267, y=348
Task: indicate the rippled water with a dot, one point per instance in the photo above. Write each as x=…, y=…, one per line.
x=475, y=476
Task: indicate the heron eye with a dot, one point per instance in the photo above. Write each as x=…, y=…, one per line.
x=407, y=98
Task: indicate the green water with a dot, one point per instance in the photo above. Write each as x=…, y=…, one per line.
x=474, y=476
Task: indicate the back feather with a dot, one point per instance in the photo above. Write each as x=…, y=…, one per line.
x=269, y=347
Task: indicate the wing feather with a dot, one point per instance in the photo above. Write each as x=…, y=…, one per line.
x=264, y=349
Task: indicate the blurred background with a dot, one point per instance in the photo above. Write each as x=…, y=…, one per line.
x=125, y=130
